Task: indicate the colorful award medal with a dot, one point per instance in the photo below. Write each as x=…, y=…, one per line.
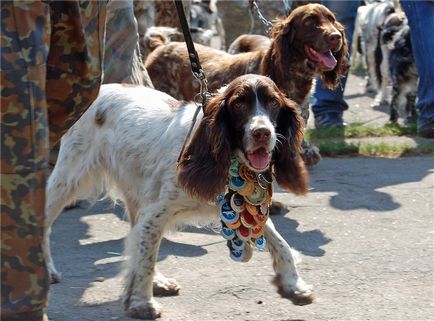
x=228, y=233
x=244, y=210
x=237, y=202
x=236, y=183
x=227, y=214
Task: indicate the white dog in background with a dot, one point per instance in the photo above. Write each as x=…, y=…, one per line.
x=367, y=30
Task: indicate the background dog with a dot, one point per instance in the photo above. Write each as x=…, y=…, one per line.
x=397, y=50
x=366, y=42
x=249, y=42
x=299, y=52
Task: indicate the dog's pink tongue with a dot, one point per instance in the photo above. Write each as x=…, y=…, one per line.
x=326, y=59
x=259, y=159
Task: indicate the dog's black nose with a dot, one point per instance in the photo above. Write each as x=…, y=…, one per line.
x=261, y=134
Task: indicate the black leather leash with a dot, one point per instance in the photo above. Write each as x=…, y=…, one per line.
x=196, y=68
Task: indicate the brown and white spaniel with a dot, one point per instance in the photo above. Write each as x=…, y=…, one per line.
x=127, y=145
x=306, y=43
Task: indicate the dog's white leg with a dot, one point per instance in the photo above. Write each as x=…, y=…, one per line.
x=289, y=283
x=370, y=60
x=52, y=211
x=383, y=95
x=142, y=246
x=59, y=194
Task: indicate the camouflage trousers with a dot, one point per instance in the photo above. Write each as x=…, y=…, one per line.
x=51, y=55
x=122, y=58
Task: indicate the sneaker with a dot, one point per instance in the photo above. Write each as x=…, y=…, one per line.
x=426, y=130
x=331, y=119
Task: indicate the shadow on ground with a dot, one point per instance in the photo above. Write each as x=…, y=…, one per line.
x=362, y=188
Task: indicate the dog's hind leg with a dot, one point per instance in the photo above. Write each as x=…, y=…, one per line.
x=289, y=283
x=56, y=200
x=58, y=195
x=67, y=182
x=142, y=246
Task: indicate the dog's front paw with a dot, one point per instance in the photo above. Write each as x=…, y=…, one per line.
x=301, y=294
x=304, y=297
x=163, y=286
x=310, y=154
x=146, y=310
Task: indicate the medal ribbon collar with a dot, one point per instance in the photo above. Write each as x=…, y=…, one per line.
x=244, y=210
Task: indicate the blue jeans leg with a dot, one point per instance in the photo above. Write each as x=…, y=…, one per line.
x=325, y=100
x=420, y=16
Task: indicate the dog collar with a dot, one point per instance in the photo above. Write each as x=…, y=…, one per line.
x=244, y=210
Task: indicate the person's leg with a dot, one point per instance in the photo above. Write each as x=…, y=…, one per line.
x=122, y=59
x=37, y=71
x=25, y=34
x=420, y=19
x=74, y=66
x=328, y=105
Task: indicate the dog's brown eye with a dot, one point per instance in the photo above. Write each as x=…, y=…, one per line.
x=274, y=103
x=239, y=104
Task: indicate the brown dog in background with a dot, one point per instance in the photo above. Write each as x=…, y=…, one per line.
x=309, y=42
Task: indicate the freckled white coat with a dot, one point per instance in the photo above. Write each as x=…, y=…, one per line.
x=126, y=145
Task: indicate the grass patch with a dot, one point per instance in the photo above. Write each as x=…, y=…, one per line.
x=359, y=130
x=358, y=69
x=333, y=148
x=332, y=141
x=340, y=148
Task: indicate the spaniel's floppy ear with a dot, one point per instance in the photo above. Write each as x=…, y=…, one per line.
x=332, y=78
x=204, y=164
x=290, y=171
x=282, y=34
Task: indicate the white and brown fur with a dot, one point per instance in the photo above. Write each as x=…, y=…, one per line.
x=127, y=144
x=402, y=71
x=285, y=61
